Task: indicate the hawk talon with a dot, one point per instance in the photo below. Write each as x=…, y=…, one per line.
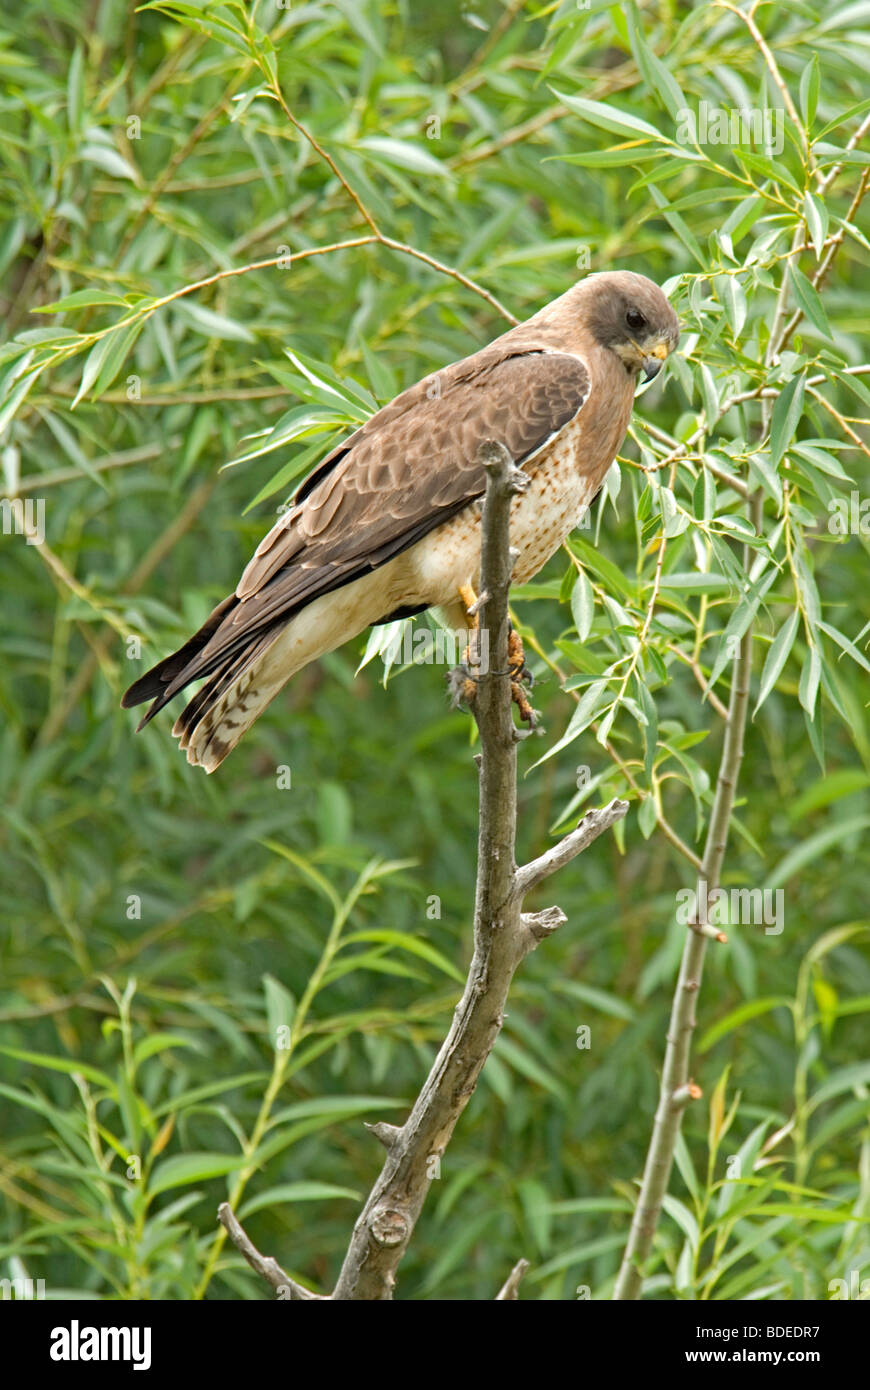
x=527, y=714
x=519, y=673
x=464, y=684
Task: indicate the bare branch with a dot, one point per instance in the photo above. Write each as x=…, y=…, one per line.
x=503, y=935
x=593, y=824
x=510, y=1287
x=384, y=1133
x=264, y=1265
x=677, y=1088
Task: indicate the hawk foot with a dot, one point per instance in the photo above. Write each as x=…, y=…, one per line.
x=520, y=676
x=462, y=685
x=471, y=659
x=463, y=679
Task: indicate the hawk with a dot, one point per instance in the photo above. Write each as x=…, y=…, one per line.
x=388, y=524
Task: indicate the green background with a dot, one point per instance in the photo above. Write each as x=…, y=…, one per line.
x=158, y=925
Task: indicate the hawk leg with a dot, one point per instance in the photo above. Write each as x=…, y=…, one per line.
x=517, y=669
x=466, y=689
x=520, y=673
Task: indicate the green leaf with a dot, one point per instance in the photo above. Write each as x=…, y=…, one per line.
x=833, y=787
x=811, y=849
x=809, y=301
x=280, y=1007
x=593, y=559
x=848, y=647
x=784, y=421
x=582, y=605
x=413, y=944
x=775, y=170
x=777, y=657
x=743, y=218
x=334, y=1108
x=64, y=1064
x=404, y=153
x=107, y=158
x=684, y=1219
x=732, y=297
x=808, y=685
x=158, y=1042
x=647, y=817
x=816, y=218
x=678, y=225
x=597, y=998
x=75, y=90
x=537, y=1212
x=105, y=359
x=195, y=1167
x=690, y=583
x=651, y=728
x=212, y=325
x=843, y=1079
x=709, y=394
x=210, y=1088
x=79, y=299
x=285, y=1194
x=683, y=1160
x=594, y=698
x=857, y=110
x=610, y=118
x=753, y=1008
x=521, y=1060
x=820, y=458
x=607, y=159
x=24, y=380
x=739, y=622
x=809, y=90
x=299, y=465
x=658, y=78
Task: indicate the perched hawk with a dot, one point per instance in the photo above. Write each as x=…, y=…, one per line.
x=389, y=523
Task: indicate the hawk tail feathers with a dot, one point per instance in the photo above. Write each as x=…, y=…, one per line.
x=244, y=669
x=211, y=724
x=213, y=721
x=162, y=682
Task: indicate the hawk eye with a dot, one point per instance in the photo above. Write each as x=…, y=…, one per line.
x=635, y=320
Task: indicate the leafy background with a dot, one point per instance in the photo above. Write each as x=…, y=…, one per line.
x=161, y=926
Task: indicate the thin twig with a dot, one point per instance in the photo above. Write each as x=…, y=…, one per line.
x=776, y=75
x=265, y=1265
x=368, y=218
x=593, y=824
x=140, y=454
x=510, y=1287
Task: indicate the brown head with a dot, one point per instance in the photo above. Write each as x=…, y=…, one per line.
x=628, y=314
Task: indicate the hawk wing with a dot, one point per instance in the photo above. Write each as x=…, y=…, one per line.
x=398, y=478
x=410, y=468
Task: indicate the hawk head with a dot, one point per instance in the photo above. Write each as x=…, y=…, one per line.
x=628, y=314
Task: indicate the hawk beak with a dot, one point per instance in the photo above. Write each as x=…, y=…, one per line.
x=651, y=365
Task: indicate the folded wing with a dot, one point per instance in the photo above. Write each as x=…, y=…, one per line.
x=405, y=472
